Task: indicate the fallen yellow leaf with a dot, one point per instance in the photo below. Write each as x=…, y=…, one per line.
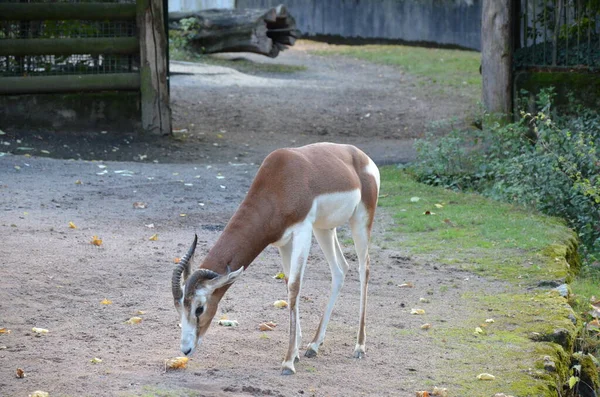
x=134, y=320
x=20, y=373
x=72, y=225
x=280, y=304
x=485, y=376
x=438, y=206
x=106, y=302
x=177, y=260
x=154, y=237
x=417, y=311
x=4, y=331
x=141, y=312
x=176, y=363
x=78, y=182
x=39, y=330
x=478, y=331
x=406, y=285
x=95, y=360
x=279, y=276
x=96, y=241
x=426, y=326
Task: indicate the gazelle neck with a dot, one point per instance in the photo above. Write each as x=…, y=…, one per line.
x=243, y=239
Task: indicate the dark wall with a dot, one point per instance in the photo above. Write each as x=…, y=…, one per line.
x=456, y=22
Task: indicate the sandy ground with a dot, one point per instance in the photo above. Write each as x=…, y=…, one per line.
x=52, y=277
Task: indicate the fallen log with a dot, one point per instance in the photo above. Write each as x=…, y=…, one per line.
x=265, y=32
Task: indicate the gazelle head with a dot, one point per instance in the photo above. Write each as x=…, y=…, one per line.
x=197, y=297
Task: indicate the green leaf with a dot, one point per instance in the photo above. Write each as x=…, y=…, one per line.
x=573, y=381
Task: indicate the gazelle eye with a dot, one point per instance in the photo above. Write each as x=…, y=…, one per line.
x=199, y=311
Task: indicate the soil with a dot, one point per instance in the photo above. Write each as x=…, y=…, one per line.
x=52, y=277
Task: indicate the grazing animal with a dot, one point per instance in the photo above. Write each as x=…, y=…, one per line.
x=297, y=192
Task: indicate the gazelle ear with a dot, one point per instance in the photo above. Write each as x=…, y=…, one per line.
x=221, y=281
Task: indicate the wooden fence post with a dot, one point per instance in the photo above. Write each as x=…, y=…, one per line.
x=156, y=110
x=497, y=55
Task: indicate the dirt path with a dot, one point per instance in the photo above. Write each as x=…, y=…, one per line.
x=52, y=277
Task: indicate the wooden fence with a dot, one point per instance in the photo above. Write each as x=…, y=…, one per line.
x=64, y=48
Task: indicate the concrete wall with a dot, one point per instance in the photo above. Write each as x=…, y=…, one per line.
x=195, y=5
x=456, y=22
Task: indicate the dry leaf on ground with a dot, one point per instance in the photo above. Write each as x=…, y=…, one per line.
x=4, y=331
x=417, y=311
x=96, y=241
x=406, y=285
x=279, y=276
x=139, y=205
x=154, y=237
x=20, y=373
x=106, y=302
x=39, y=330
x=268, y=326
x=440, y=392
x=95, y=360
x=176, y=260
x=486, y=376
x=72, y=225
x=423, y=393
x=280, y=304
x=134, y=320
x=176, y=363
x=426, y=326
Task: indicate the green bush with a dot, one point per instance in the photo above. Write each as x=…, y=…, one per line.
x=548, y=160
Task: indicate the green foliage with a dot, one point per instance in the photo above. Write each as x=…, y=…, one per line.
x=546, y=160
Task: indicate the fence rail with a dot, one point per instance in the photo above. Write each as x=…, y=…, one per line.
x=66, y=11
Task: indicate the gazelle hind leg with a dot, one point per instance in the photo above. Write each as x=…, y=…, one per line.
x=361, y=233
x=295, y=252
x=327, y=239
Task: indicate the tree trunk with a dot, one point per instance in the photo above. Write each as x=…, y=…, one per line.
x=156, y=109
x=265, y=32
x=497, y=55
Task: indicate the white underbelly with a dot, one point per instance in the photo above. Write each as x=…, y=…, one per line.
x=327, y=211
x=334, y=209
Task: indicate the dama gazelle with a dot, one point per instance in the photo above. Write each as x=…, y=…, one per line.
x=296, y=192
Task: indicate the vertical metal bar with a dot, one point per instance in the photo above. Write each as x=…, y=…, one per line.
x=589, y=46
x=567, y=29
x=534, y=35
x=557, y=8
x=525, y=28
x=578, y=21
x=545, y=30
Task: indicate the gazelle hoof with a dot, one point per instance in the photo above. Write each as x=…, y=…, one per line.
x=359, y=354
x=288, y=371
x=310, y=353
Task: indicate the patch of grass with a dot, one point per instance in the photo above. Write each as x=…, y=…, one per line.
x=501, y=242
x=240, y=64
x=472, y=232
x=448, y=68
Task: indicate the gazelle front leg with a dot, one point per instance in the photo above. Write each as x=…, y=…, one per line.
x=295, y=253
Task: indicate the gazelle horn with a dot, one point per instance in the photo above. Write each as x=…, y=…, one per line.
x=183, y=267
